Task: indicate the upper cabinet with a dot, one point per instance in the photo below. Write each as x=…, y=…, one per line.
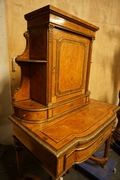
x=55, y=65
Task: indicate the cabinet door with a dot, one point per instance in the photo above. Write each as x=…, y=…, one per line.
x=71, y=62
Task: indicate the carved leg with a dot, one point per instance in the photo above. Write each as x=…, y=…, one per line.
x=19, y=157
x=103, y=161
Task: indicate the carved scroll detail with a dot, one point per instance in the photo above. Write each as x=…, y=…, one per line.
x=25, y=54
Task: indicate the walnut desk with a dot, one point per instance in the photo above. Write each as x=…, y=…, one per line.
x=54, y=117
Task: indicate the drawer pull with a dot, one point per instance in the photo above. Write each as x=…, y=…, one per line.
x=24, y=115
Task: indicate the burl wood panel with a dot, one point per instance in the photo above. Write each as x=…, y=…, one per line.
x=71, y=63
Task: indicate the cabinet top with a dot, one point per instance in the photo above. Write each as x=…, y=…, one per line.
x=51, y=10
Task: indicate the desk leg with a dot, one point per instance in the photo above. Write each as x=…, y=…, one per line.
x=103, y=161
x=107, y=147
x=19, y=157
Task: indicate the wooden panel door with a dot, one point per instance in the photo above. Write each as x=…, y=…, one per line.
x=71, y=63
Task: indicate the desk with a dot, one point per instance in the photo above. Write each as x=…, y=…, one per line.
x=59, y=144
x=53, y=115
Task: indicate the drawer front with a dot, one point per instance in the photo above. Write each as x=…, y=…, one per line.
x=69, y=106
x=83, y=152
x=30, y=115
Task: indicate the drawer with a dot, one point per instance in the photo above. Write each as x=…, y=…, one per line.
x=69, y=106
x=86, y=149
x=35, y=116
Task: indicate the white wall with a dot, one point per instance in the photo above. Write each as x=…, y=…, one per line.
x=5, y=107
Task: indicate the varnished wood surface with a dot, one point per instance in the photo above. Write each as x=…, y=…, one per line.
x=59, y=13
x=55, y=65
x=67, y=140
x=81, y=123
x=54, y=118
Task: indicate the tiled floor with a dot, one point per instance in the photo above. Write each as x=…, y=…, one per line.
x=8, y=166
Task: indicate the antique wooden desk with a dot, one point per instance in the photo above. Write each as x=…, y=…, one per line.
x=54, y=117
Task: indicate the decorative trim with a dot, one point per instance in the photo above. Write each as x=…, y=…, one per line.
x=68, y=146
x=59, y=93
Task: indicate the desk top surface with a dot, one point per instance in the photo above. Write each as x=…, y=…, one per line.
x=79, y=127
